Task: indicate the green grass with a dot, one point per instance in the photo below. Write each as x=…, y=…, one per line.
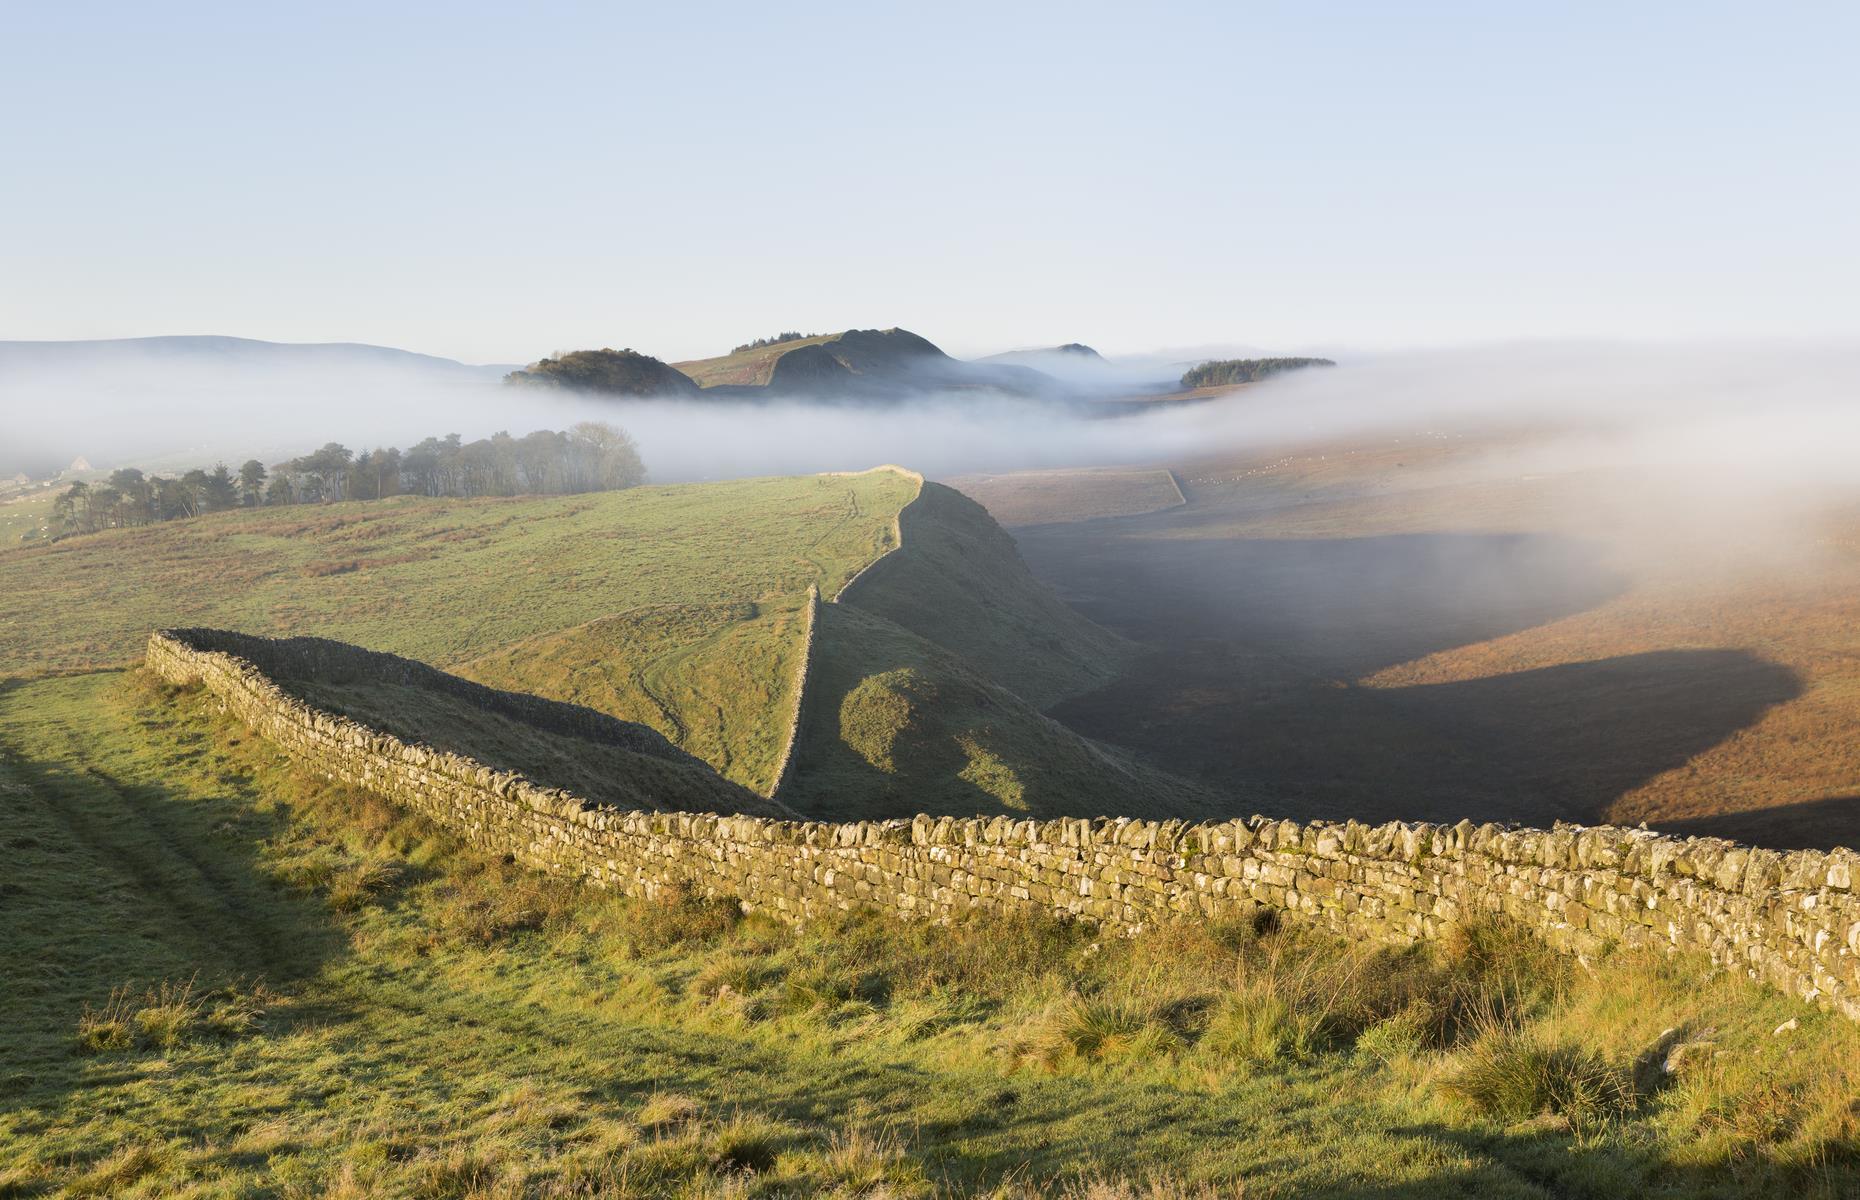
x=453, y=581
x=228, y=978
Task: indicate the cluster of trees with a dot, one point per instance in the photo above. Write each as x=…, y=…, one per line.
x=1217, y=372
x=593, y=456
x=777, y=340
x=129, y=497
x=617, y=372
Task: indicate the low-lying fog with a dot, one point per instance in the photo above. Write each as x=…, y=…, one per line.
x=1713, y=429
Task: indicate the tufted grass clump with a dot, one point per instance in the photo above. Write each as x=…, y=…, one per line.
x=1404, y=1035
x=111, y=1027
x=678, y=917
x=168, y=1015
x=1099, y=1029
x=1509, y=1074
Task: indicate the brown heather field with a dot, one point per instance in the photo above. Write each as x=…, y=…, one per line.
x=1023, y=498
x=1404, y=629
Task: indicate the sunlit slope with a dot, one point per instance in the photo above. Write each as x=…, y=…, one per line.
x=452, y=582
x=745, y=368
x=960, y=583
x=894, y=725
x=686, y=670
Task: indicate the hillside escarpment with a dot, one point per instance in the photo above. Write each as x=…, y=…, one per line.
x=926, y=681
x=957, y=580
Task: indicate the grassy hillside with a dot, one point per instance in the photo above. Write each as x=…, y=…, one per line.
x=683, y=669
x=821, y=361
x=866, y=365
x=452, y=582
x=745, y=368
x=229, y=978
x=894, y=725
x=960, y=583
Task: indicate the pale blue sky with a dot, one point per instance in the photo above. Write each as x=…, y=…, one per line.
x=492, y=182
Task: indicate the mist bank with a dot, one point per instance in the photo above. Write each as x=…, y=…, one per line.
x=1759, y=421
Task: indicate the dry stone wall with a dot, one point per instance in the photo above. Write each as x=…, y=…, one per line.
x=1792, y=919
x=803, y=675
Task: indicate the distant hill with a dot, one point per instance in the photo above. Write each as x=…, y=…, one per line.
x=1081, y=366
x=213, y=350
x=1077, y=352
x=857, y=364
x=607, y=371
x=185, y=401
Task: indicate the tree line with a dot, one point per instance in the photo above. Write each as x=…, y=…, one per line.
x=591, y=457
x=1217, y=372
x=777, y=340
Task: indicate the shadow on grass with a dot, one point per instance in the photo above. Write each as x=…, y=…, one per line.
x=1808, y=825
x=1561, y=1164
x=132, y=837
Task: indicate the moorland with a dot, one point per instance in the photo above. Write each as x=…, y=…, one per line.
x=233, y=975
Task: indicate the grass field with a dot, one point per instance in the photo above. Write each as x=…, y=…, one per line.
x=1398, y=630
x=454, y=582
x=25, y=517
x=227, y=978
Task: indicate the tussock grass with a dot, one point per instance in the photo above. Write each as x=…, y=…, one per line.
x=1513, y=1074
x=167, y=1016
